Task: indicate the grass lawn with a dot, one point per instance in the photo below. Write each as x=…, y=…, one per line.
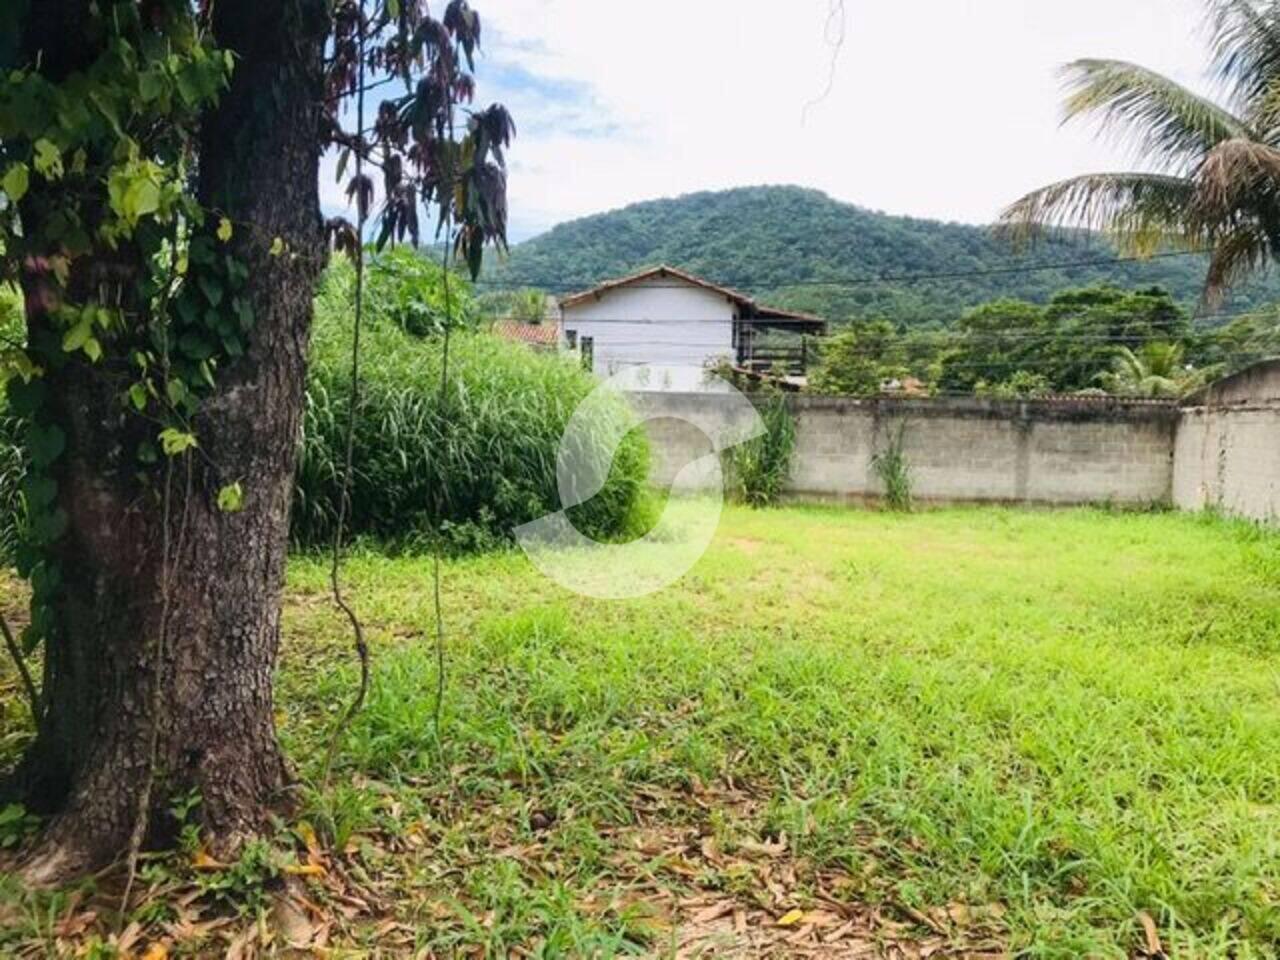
x=964, y=730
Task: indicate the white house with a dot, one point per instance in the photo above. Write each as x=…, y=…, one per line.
x=660, y=329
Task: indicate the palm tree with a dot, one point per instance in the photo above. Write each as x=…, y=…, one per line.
x=1156, y=370
x=1213, y=169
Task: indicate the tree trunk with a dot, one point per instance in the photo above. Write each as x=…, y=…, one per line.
x=258, y=167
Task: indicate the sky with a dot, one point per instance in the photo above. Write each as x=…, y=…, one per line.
x=947, y=109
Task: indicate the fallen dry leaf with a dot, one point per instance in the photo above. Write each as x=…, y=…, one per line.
x=1154, y=947
x=713, y=912
x=304, y=869
x=201, y=860
x=292, y=922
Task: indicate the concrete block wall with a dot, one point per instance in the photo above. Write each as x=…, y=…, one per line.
x=1052, y=451
x=1227, y=454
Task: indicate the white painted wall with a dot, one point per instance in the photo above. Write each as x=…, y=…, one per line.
x=657, y=333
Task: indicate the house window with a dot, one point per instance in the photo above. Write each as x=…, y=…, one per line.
x=588, y=353
x=571, y=336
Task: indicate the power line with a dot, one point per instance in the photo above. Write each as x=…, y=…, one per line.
x=915, y=326
x=560, y=285
x=585, y=327
x=1028, y=365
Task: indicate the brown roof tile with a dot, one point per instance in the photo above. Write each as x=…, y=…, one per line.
x=538, y=334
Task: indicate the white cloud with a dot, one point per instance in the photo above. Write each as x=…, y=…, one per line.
x=940, y=108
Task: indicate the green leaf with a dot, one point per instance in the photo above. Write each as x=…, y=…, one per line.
x=244, y=311
x=77, y=336
x=93, y=349
x=108, y=110
x=151, y=85
x=224, y=230
x=212, y=289
x=138, y=396
x=15, y=182
x=142, y=198
x=231, y=498
x=195, y=346
x=48, y=159
x=188, y=87
x=47, y=527
x=188, y=309
x=26, y=396
x=202, y=250
x=277, y=247
x=17, y=363
x=237, y=271
x=45, y=443
x=39, y=491
x=175, y=442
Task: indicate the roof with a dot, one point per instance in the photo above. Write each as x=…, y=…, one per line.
x=537, y=334
x=755, y=309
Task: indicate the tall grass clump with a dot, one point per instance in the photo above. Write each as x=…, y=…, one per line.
x=467, y=467
x=757, y=471
x=894, y=472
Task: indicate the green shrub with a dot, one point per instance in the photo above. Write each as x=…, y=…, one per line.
x=1021, y=385
x=404, y=288
x=468, y=470
x=757, y=471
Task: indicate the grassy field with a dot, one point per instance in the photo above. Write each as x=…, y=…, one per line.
x=961, y=731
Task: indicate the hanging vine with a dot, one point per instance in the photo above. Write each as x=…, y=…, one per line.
x=423, y=164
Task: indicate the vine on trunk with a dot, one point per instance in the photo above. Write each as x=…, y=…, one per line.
x=139, y=290
x=102, y=234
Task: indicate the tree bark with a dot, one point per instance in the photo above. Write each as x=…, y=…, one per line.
x=258, y=165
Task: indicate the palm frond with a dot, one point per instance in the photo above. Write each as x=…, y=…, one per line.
x=1163, y=358
x=1237, y=253
x=1237, y=174
x=1217, y=185
x=1141, y=211
x=1246, y=48
x=1154, y=372
x=1264, y=113
x=1172, y=124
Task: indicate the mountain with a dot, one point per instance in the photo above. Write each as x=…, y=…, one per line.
x=798, y=248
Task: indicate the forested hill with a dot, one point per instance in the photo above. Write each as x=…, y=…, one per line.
x=782, y=243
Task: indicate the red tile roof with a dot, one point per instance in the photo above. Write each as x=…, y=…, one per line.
x=538, y=334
